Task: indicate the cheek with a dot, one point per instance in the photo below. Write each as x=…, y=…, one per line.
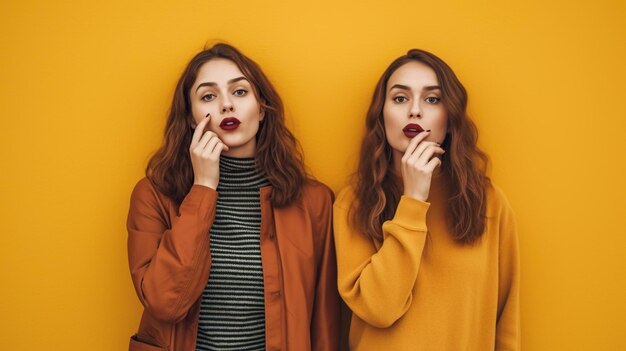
x=394, y=135
x=393, y=117
x=197, y=111
x=440, y=123
x=441, y=127
x=443, y=122
x=252, y=110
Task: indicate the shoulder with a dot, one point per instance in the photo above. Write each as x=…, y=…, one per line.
x=316, y=201
x=499, y=208
x=144, y=186
x=143, y=190
x=315, y=191
x=345, y=198
x=496, y=199
x=316, y=204
x=145, y=194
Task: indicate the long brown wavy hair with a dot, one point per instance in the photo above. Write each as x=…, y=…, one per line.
x=278, y=155
x=464, y=165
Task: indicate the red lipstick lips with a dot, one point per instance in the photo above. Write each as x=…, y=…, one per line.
x=230, y=123
x=412, y=129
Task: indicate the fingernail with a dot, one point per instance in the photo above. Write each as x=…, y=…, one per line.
x=428, y=130
x=207, y=115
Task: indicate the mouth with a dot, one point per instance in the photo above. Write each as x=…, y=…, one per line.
x=412, y=129
x=230, y=123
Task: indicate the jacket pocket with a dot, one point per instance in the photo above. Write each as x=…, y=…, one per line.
x=139, y=345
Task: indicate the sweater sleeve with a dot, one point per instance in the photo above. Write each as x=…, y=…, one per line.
x=508, y=319
x=169, y=266
x=377, y=284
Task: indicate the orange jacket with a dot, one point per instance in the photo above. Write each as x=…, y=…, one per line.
x=170, y=261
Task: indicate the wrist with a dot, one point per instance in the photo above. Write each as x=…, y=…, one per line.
x=416, y=196
x=207, y=183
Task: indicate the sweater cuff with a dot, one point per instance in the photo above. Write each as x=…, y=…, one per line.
x=411, y=213
x=200, y=198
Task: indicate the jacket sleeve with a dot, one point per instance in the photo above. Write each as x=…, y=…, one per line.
x=326, y=316
x=169, y=266
x=508, y=319
x=377, y=284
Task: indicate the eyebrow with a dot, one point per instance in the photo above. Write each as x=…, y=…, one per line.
x=406, y=87
x=212, y=84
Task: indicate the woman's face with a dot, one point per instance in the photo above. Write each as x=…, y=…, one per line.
x=412, y=104
x=222, y=91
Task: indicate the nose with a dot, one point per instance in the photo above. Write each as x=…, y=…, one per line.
x=415, y=111
x=227, y=105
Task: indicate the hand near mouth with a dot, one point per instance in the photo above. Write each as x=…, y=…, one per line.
x=205, y=150
x=418, y=164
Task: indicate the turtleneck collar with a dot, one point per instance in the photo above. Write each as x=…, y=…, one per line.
x=237, y=163
x=240, y=173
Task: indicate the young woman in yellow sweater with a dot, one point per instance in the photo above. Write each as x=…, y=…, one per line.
x=427, y=248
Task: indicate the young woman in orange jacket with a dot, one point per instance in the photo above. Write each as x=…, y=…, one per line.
x=229, y=242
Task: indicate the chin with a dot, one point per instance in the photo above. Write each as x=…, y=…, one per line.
x=233, y=144
x=399, y=148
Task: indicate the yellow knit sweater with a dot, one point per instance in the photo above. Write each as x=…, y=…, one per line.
x=419, y=289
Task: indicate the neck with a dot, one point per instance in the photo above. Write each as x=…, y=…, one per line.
x=240, y=173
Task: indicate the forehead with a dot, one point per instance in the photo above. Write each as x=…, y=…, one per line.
x=218, y=70
x=413, y=74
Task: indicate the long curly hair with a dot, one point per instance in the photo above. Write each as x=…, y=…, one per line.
x=464, y=165
x=278, y=155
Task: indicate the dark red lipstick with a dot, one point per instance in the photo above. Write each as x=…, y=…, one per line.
x=412, y=129
x=230, y=123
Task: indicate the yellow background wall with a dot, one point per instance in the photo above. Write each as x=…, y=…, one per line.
x=85, y=87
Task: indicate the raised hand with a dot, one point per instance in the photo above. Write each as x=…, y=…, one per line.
x=418, y=164
x=205, y=150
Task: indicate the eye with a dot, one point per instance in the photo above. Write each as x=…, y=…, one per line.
x=208, y=97
x=240, y=92
x=400, y=99
x=432, y=100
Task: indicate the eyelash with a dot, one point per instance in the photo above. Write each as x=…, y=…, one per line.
x=238, y=93
x=428, y=99
x=208, y=97
x=397, y=98
x=244, y=92
x=432, y=97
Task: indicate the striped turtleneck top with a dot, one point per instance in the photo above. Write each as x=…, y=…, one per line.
x=232, y=310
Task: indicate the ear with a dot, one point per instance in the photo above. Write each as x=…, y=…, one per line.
x=262, y=105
